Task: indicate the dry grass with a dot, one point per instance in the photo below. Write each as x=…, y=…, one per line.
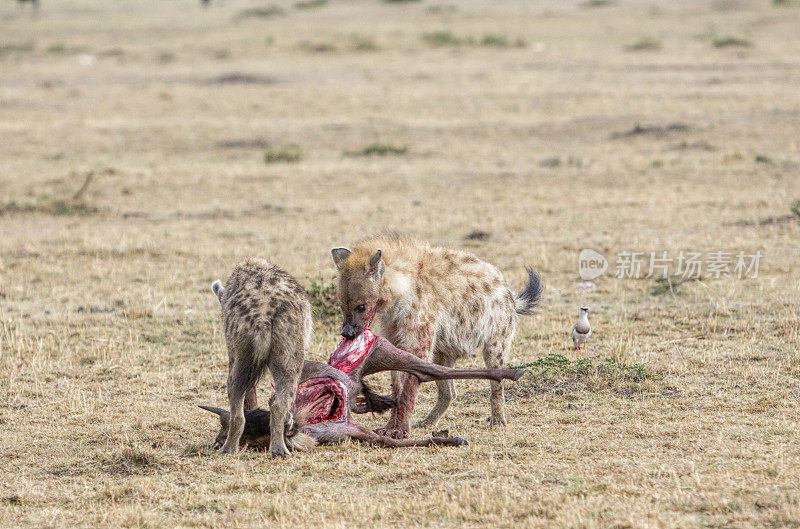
x=109, y=336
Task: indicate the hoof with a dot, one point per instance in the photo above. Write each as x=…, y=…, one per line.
x=518, y=374
x=460, y=441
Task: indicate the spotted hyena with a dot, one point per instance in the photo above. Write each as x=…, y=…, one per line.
x=438, y=303
x=266, y=318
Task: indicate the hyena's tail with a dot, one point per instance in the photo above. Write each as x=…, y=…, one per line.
x=528, y=299
x=218, y=289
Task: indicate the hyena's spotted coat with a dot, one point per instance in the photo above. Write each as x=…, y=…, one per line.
x=438, y=303
x=266, y=318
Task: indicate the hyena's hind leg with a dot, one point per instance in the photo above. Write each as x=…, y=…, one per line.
x=286, y=378
x=445, y=393
x=286, y=363
x=239, y=385
x=495, y=354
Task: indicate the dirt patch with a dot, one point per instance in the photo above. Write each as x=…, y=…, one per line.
x=132, y=460
x=50, y=207
x=766, y=221
x=95, y=310
x=693, y=145
x=477, y=235
x=670, y=284
x=215, y=213
x=242, y=78
x=243, y=144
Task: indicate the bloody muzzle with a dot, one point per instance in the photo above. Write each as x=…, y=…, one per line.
x=350, y=331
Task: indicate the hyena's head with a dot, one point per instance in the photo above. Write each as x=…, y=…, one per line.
x=359, y=289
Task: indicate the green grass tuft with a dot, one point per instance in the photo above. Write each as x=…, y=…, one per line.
x=318, y=47
x=379, y=149
x=310, y=4
x=644, y=44
x=442, y=9
x=440, y=39
x=795, y=208
x=355, y=42
x=502, y=41
x=68, y=208
x=16, y=47
x=597, y=3
x=553, y=161
x=363, y=43
x=731, y=42
x=323, y=298
x=285, y=154
x=669, y=284
x=58, y=48
x=445, y=38
x=261, y=12
x=58, y=208
x=557, y=372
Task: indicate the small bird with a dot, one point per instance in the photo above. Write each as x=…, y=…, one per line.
x=582, y=330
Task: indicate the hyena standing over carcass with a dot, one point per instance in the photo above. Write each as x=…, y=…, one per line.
x=266, y=318
x=438, y=303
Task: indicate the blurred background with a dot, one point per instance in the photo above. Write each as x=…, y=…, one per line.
x=157, y=142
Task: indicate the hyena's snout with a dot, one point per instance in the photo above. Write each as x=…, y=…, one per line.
x=350, y=330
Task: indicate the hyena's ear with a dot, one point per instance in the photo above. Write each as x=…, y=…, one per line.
x=339, y=256
x=376, y=266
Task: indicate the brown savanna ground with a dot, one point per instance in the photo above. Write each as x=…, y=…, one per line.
x=109, y=335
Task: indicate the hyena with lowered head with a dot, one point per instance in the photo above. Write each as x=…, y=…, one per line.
x=438, y=303
x=266, y=318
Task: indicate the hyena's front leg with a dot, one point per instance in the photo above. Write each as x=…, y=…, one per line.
x=446, y=392
x=404, y=390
